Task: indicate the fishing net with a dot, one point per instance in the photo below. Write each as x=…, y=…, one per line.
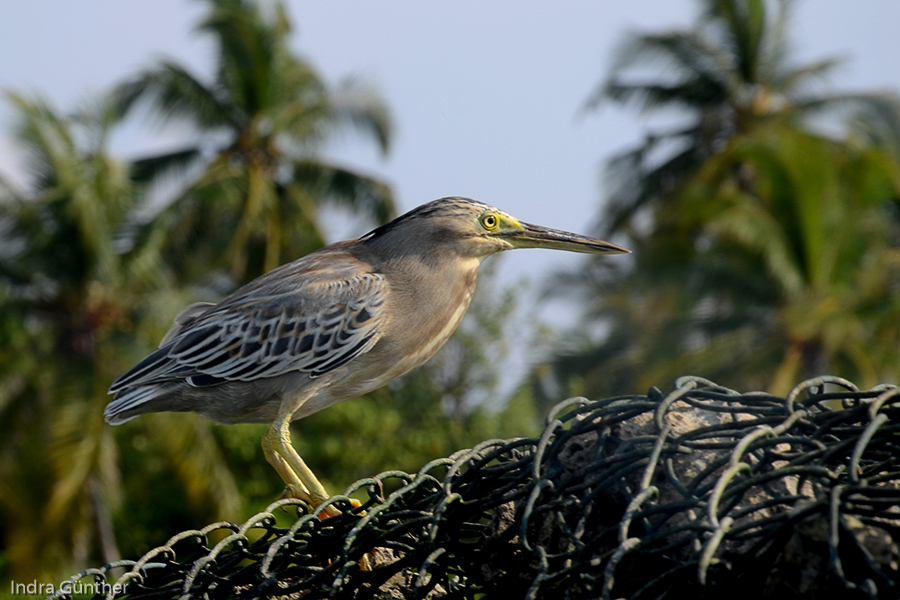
x=702, y=491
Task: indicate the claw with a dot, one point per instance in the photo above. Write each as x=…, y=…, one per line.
x=295, y=491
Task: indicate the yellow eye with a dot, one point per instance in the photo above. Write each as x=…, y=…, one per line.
x=490, y=221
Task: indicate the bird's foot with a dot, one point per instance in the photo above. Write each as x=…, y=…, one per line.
x=295, y=491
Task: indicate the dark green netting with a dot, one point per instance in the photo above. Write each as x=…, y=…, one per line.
x=702, y=491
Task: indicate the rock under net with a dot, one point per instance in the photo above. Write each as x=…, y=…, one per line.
x=702, y=491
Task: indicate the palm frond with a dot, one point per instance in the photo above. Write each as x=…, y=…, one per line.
x=679, y=53
x=356, y=104
x=742, y=27
x=173, y=93
x=177, y=162
x=794, y=82
x=250, y=48
x=47, y=140
x=684, y=58
x=364, y=194
x=695, y=94
x=756, y=229
x=636, y=181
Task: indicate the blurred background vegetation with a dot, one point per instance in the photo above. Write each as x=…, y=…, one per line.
x=766, y=235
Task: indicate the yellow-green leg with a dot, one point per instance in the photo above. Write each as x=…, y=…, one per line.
x=300, y=481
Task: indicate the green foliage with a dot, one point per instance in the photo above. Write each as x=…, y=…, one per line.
x=65, y=292
x=764, y=253
x=788, y=273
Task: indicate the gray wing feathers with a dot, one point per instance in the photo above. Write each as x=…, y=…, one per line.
x=315, y=330
x=184, y=318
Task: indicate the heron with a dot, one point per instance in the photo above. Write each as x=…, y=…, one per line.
x=330, y=326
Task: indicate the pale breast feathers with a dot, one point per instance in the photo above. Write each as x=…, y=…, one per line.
x=314, y=328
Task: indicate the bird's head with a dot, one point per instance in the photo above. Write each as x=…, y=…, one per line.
x=473, y=229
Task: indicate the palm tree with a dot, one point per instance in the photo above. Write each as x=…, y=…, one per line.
x=73, y=293
x=261, y=118
x=763, y=252
x=731, y=73
x=758, y=285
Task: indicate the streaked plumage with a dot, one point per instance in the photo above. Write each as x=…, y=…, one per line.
x=312, y=327
x=330, y=326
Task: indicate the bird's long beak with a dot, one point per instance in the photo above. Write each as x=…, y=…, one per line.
x=535, y=236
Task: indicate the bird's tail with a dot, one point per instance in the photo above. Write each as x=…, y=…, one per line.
x=130, y=403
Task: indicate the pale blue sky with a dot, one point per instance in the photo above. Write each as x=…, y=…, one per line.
x=486, y=95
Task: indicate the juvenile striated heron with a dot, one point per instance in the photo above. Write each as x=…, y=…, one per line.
x=333, y=325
